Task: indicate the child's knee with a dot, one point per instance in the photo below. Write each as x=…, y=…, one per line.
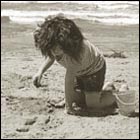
x=92, y=99
x=107, y=99
x=97, y=100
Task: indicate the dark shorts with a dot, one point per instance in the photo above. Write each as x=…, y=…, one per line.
x=92, y=82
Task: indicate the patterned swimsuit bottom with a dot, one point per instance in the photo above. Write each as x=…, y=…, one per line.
x=92, y=82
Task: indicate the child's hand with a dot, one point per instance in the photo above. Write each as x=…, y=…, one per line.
x=36, y=80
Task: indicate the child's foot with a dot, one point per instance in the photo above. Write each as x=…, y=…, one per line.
x=77, y=111
x=109, y=86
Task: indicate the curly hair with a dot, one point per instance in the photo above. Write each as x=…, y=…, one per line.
x=59, y=30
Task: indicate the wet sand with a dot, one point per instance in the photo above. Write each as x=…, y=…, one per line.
x=30, y=112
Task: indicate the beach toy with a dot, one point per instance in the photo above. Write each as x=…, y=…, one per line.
x=126, y=102
x=124, y=87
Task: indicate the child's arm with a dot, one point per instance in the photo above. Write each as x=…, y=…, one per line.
x=47, y=63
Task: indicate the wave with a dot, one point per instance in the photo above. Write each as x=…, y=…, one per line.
x=17, y=13
x=16, y=2
x=115, y=7
x=78, y=2
x=108, y=12
x=108, y=21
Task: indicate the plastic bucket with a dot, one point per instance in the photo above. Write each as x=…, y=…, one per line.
x=126, y=102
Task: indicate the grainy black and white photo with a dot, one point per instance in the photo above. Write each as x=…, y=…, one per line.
x=69, y=69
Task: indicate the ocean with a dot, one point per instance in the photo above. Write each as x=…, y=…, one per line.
x=99, y=12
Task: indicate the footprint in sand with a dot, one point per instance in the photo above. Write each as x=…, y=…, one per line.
x=23, y=129
x=31, y=121
x=47, y=120
x=28, y=122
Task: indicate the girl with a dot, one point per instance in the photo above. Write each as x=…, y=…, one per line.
x=60, y=39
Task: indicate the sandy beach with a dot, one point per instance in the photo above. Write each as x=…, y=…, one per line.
x=28, y=112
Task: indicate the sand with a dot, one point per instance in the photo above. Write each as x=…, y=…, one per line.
x=28, y=112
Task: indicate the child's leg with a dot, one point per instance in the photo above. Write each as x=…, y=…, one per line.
x=98, y=100
x=79, y=99
x=107, y=99
x=78, y=104
x=74, y=96
x=71, y=96
x=93, y=99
